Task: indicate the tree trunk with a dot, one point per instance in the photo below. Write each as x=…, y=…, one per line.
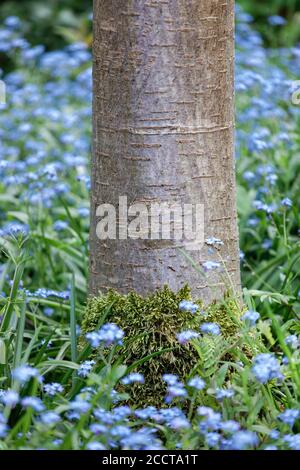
x=164, y=131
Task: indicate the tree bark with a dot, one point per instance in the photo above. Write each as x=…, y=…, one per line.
x=164, y=131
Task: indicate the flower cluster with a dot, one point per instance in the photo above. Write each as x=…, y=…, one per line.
x=266, y=367
x=107, y=335
x=24, y=373
x=210, y=328
x=85, y=368
x=250, y=317
x=53, y=388
x=188, y=306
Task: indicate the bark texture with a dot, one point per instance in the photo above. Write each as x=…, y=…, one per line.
x=164, y=130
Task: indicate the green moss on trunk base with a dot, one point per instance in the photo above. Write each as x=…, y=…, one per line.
x=151, y=325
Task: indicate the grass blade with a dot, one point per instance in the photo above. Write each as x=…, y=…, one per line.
x=20, y=335
x=73, y=321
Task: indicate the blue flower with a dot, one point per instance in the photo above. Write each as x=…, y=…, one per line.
x=33, y=53
x=49, y=418
x=253, y=221
x=175, y=388
x=243, y=440
x=107, y=335
x=249, y=176
x=120, y=431
x=212, y=439
x=167, y=415
x=46, y=293
x=145, y=413
x=185, y=336
x=188, y=306
x=48, y=311
x=83, y=212
x=250, y=317
x=276, y=20
x=53, y=388
x=10, y=398
x=274, y=434
x=95, y=446
x=60, y=225
x=221, y=394
x=121, y=412
x=211, y=419
x=292, y=440
x=266, y=367
x=197, y=383
x=175, y=391
x=272, y=178
x=93, y=339
x=14, y=229
x=134, y=377
x=33, y=402
x=179, y=423
x=143, y=439
x=57, y=442
x=24, y=373
x=285, y=360
x=12, y=22
x=292, y=341
x=79, y=405
x=230, y=426
x=85, y=368
x=98, y=429
x=286, y=202
x=266, y=244
x=210, y=328
x=289, y=416
x=106, y=417
x=3, y=430
x=226, y=443
x=214, y=241
x=209, y=265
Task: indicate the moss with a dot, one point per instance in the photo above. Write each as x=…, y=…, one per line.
x=151, y=325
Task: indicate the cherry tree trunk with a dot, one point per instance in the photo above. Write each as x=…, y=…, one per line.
x=163, y=117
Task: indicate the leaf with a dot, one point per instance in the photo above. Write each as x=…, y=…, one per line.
x=58, y=363
x=20, y=335
x=271, y=296
x=22, y=216
x=265, y=329
x=2, y=352
x=261, y=429
x=59, y=245
x=118, y=372
x=7, y=318
x=221, y=374
x=211, y=349
x=245, y=199
x=73, y=335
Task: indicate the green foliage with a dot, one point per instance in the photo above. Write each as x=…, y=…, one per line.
x=53, y=23
x=40, y=327
x=275, y=36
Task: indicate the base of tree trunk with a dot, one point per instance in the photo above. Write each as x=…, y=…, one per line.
x=151, y=325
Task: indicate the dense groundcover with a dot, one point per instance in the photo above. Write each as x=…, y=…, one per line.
x=64, y=389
